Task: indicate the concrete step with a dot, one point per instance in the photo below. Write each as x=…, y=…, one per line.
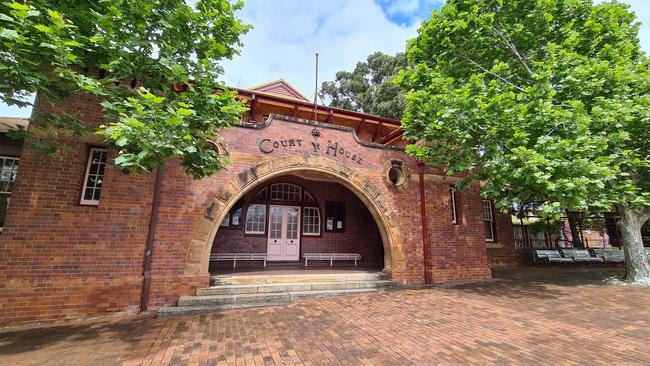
x=296, y=278
x=263, y=299
x=291, y=287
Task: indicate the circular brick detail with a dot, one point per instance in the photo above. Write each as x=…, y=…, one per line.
x=396, y=175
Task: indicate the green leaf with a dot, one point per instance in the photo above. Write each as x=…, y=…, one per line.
x=43, y=28
x=48, y=45
x=8, y=33
x=18, y=6
x=6, y=18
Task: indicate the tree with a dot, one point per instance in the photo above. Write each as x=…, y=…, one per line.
x=158, y=78
x=370, y=87
x=546, y=101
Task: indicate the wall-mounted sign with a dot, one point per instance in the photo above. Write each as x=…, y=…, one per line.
x=334, y=149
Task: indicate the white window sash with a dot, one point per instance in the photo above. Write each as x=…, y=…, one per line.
x=91, y=202
x=249, y=217
x=304, y=221
x=487, y=208
x=11, y=177
x=454, y=214
x=285, y=192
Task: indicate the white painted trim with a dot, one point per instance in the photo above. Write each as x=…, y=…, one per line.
x=319, y=221
x=491, y=220
x=266, y=211
x=83, y=201
x=454, y=213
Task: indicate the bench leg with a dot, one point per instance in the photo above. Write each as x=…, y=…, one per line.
x=355, y=261
x=234, y=262
x=331, y=261
x=264, y=262
x=305, y=262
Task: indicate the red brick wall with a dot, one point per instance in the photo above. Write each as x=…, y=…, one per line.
x=59, y=259
x=457, y=250
x=361, y=233
x=503, y=253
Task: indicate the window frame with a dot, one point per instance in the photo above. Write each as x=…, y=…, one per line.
x=232, y=215
x=454, y=204
x=8, y=193
x=490, y=220
x=226, y=221
x=299, y=193
x=265, y=222
x=265, y=195
x=84, y=186
x=320, y=221
x=310, y=201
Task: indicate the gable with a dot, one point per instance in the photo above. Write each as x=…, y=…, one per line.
x=280, y=88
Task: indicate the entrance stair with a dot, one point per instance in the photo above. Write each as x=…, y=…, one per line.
x=245, y=291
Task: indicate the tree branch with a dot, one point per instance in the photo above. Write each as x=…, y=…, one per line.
x=513, y=48
x=645, y=214
x=493, y=74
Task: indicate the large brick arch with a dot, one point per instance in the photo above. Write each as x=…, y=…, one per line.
x=226, y=196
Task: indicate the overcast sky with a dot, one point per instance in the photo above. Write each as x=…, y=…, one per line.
x=287, y=34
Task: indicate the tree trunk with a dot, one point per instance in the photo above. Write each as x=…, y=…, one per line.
x=572, y=217
x=637, y=268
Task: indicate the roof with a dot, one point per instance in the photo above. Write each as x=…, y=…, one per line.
x=280, y=88
x=12, y=123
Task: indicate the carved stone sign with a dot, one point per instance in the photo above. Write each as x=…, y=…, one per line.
x=332, y=148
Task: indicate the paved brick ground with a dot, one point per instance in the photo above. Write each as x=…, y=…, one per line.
x=526, y=316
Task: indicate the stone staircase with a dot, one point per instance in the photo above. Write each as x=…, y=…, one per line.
x=244, y=291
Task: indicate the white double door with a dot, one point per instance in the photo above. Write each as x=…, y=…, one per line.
x=284, y=233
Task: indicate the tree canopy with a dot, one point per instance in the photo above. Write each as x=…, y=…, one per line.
x=545, y=101
x=369, y=88
x=147, y=51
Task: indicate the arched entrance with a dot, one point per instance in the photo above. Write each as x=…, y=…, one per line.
x=292, y=217
x=246, y=181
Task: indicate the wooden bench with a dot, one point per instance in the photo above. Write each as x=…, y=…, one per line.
x=234, y=257
x=332, y=257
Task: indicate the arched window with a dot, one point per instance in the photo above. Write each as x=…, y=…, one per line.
x=286, y=192
x=261, y=195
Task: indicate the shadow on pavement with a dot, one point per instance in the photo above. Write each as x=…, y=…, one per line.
x=541, y=282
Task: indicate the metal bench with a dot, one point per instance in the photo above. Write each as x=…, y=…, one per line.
x=551, y=256
x=581, y=255
x=234, y=257
x=610, y=255
x=332, y=257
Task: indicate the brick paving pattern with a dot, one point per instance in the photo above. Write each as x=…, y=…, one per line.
x=552, y=316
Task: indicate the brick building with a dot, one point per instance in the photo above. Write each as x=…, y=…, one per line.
x=302, y=180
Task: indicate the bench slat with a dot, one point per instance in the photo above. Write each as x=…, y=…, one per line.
x=239, y=256
x=331, y=257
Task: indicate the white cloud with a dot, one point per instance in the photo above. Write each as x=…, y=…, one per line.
x=288, y=33
x=403, y=6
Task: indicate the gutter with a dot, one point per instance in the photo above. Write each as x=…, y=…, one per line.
x=425, y=230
